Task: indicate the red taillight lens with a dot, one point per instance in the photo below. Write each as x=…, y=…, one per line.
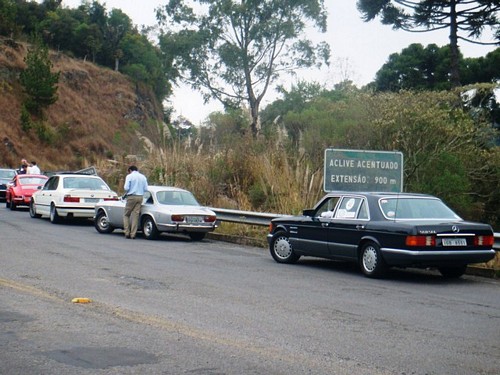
x=484, y=240
x=70, y=199
x=111, y=199
x=177, y=218
x=420, y=241
x=210, y=219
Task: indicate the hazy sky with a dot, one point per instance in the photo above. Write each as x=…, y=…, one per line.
x=358, y=49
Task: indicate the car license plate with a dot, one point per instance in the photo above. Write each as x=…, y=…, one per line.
x=194, y=219
x=454, y=242
x=92, y=200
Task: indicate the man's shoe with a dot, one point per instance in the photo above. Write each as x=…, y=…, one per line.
x=127, y=236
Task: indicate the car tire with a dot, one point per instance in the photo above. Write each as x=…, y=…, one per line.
x=371, y=262
x=12, y=205
x=281, y=248
x=149, y=228
x=197, y=236
x=7, y=205
x=54, y=216
x=101, y=223
x=33, y=213
x=452, y=272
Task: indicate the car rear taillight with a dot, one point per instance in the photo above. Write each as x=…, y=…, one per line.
x=420, y=241
x=70, y=199
x=210, y=219
x=484, y=240
x=177, y=218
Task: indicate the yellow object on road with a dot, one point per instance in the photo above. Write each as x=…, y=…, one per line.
x=81, y=300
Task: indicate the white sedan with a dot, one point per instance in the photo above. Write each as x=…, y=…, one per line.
x=70, y=195
x=164, y=209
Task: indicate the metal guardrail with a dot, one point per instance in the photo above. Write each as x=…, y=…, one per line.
x=259, y=218
x=244, y=217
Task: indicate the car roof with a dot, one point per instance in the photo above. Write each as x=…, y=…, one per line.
x=30, y=175
x=381, y=194
x=72, y=174
x=156, y=188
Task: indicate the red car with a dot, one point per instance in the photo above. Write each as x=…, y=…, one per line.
x=21, y=188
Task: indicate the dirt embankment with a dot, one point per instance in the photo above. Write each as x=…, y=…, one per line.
x=97, y=115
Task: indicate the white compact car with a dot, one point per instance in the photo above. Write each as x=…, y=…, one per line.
x=164, y=209
x=70, y=195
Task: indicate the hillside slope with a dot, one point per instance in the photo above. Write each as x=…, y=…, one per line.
x=98, y=114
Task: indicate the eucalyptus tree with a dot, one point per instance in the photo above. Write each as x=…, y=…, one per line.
x=465, y=19
x=233, y=51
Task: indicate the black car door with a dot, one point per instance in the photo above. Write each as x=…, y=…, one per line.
x=310, y=236
x=347, y=227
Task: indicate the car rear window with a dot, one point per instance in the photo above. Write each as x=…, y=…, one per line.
x=416, y=208
x=176, y=198
x=7, y=173
x=85, y=183
x=32, y=180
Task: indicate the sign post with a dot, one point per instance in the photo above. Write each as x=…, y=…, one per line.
x=358, y=170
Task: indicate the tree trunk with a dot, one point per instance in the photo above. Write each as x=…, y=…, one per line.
x=454, y=50
x=255, y=126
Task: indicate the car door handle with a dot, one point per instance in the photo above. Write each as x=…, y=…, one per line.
x=360, y=226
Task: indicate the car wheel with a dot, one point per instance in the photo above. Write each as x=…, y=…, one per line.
x=12, y=205
x=7, y=205
x=54, y=216
x=371, y=262
x=452, y=272
x=281, y=248
x=102, y=224
x=33, y=213
x=149, y=228
x=197, y=236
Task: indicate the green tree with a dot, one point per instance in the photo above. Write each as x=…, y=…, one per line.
x=142, y=61
x=117, y=27
x=235, y=50
x=465, y=19
x=415, y=67
x=8, y=12
x=39, y=83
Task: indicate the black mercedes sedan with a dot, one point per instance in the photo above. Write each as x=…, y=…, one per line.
x=382, y=230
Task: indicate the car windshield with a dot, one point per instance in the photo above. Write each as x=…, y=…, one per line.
x=176, y=198
x=32, y=180
x=6, y=173
x=416, y=208
x=87, y=183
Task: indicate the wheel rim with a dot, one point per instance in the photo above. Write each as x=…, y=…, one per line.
x=282, y=248
x=148, y=227
x=370, y=258
x=103, y=222
x=52, y=213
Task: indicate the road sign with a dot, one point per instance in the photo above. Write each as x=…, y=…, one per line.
x=358, y=170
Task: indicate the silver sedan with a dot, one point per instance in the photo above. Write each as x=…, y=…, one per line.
x=164, y=209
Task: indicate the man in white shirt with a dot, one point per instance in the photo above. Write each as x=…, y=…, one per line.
x=135, y=186
x=33, y=168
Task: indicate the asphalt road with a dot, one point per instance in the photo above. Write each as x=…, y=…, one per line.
x=173, y=306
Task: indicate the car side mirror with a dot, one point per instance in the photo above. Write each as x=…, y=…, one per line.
x=308, y=212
